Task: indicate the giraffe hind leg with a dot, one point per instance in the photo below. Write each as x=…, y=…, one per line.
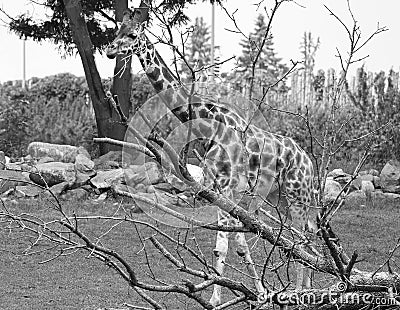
x=300, y=221
x=243, y=251
x=220, y=252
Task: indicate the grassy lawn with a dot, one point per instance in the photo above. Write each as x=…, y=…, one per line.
x=79, y=282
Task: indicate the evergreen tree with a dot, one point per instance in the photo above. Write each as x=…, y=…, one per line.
x=198, y=50
x=269, y=67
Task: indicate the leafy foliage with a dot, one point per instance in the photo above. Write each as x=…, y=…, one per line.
x=56, y=28
x=370, y=117
x=99, y=17
x=56, y=109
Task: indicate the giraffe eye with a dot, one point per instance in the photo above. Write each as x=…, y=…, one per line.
x=132, y=36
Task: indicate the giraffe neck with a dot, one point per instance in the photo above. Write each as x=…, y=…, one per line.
x=178, y=97
x=160, y=76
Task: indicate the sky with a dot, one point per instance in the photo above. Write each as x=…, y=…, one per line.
x=290, y=23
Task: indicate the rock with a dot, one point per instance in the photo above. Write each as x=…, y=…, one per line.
x=381, y=195
x=84, y=165
x=101, y=197
x=28, y=191
x=53, y=173
x=151, y=189
x=356, y=184
x=146, y=174
x=81, y=179
x=10, y=179
x=391, y=196
x=343, y=180
x=141, y=188
x=377, y=182
x=390, y=177
x=59, y=188
x=26, y=167
x=14, y=166
x=367, y=177
x=111, y=160
x=373, y=172
x=45, y=159
x=358, y=195
x=59, y=152
x=337, y=173
x=104, y=179
x=14, y=175
x=2, y=160
x=340, y=176
x=76, y=194
x=122, y=189
x=332, y=190
x=6, y=185
x=367, y=187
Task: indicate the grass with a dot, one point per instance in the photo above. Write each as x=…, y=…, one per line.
x=78, y=282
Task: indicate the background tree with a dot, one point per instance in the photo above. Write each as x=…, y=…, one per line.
x=308, y=50
x=269, y=67
x=198, y=49
x=88, y=26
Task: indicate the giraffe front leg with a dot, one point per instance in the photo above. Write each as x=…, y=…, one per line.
x=303, y=273
x=220, y=252
x=243, y=251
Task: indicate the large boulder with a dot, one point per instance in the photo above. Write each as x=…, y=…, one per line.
x=111, y=160
x=77, y=194
x=146, y=174
x=332, y=190
x=105, y=179
x=59, y=152
x=9, y=179
x=84, y=165
x=340, y=176
x=29, y=190
x=53, y=173
x=390, y=177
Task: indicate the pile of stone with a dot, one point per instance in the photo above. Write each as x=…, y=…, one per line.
x=368, y=184
x=70, y=173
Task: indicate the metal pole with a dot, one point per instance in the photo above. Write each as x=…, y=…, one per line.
x=212, y=41
x=23, y=64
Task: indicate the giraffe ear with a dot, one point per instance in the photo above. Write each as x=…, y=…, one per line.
x=127, y=16
x=134, y=19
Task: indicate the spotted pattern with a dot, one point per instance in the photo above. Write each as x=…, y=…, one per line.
x=242, y=158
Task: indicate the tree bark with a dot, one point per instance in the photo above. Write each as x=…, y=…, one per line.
x=84, y=45
x=122, y=82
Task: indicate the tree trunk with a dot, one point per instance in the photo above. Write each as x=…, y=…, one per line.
x=122, y=82
x=82, y=40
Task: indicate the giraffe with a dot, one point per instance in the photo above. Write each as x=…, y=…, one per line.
x=266, y=164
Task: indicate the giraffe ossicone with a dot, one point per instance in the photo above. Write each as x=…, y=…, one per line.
x=239, y=157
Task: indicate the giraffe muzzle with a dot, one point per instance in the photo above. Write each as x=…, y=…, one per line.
x=111, y=51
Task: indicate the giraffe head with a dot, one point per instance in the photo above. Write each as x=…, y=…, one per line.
x=130, y=38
